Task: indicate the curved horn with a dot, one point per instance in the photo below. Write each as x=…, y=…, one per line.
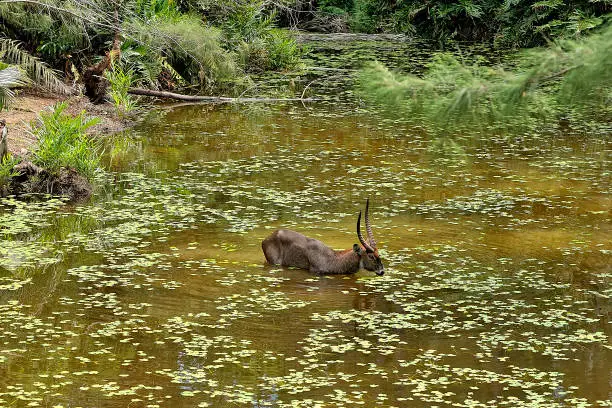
x=361, y=240
x=368, y=226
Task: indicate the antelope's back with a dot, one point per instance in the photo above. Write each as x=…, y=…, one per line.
x=287, y=248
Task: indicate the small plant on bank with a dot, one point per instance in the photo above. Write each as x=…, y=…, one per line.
x=120, y=81
x=6, y=171
x=62, y=142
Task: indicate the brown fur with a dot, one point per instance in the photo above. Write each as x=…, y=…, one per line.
x=290, y=248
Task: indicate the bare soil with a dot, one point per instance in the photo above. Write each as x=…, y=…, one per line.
x=29, y=104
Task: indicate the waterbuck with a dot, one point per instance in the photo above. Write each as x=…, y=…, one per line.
x=290, y=248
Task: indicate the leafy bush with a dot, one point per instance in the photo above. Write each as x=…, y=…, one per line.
x=6, y=170
x=192, y=49
x=514, y=23
x=9, y=77
x=368, y=16
x=284, y=52
x=120, y=82
x=62, y=142
x=253, y=56
x=53, y=34
x=250, y=29
x=247, y=22
x=12, y=52
x=155, y=9
x=523, y=23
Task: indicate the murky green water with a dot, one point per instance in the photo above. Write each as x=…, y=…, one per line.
x=156, y=293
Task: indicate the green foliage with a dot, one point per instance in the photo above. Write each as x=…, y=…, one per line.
x=190, y=47
x=329, y=5
x=155, y=9
x=249, y=28
x=39, y=72
x=284, y=52
x=253, y=56
x=588, y=64
x=522, y=23
x=147, y=68
x=368, y=16
x=62, y=142
x=166, y=43
x=509, y=22
x=120, y=82
x=248, y=22
x=6, y=169
x=10, y=76
x=51, y=32
x=571, y=76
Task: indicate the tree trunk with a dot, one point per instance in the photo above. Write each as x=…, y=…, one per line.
x=93, y=77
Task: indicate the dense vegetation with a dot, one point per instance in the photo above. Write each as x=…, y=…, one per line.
x=508, y=23
x=65, y=160
x=201, y=46
x=204, y=47
x=207, y=46
x=569, y=80
x=62, y=142
x=214, y=47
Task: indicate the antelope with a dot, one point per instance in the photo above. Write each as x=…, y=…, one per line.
x=289, y=248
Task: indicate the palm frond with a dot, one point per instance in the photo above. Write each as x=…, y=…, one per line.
x=37, y=70
x=9, y=78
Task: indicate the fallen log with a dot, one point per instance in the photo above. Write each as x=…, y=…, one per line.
x=214, y=99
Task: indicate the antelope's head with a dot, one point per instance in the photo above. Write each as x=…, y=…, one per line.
x=368, y=252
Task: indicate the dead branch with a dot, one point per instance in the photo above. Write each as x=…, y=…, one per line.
x=213, y=99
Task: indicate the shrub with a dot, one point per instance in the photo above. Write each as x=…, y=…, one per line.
x=192, y=49
x=62, y=142
x=6, y=171
x=120, y=82
x=284, y=52
x=253, y=56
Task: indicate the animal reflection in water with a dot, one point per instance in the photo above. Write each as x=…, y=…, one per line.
x=290, y=248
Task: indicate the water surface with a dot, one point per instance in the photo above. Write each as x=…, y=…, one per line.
x=496, y=290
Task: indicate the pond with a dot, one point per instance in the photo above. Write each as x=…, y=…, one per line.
x=496, y=291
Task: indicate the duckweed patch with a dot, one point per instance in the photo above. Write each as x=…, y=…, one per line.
x=496, y=290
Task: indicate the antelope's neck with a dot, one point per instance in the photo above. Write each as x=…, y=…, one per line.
x=348, y=261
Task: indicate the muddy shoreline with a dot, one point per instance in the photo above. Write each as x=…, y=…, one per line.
x=22, y=116
x=29, y=104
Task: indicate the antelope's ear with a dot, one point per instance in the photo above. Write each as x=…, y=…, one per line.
x=357, y=249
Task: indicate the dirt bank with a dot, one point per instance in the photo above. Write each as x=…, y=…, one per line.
x=28, y=104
